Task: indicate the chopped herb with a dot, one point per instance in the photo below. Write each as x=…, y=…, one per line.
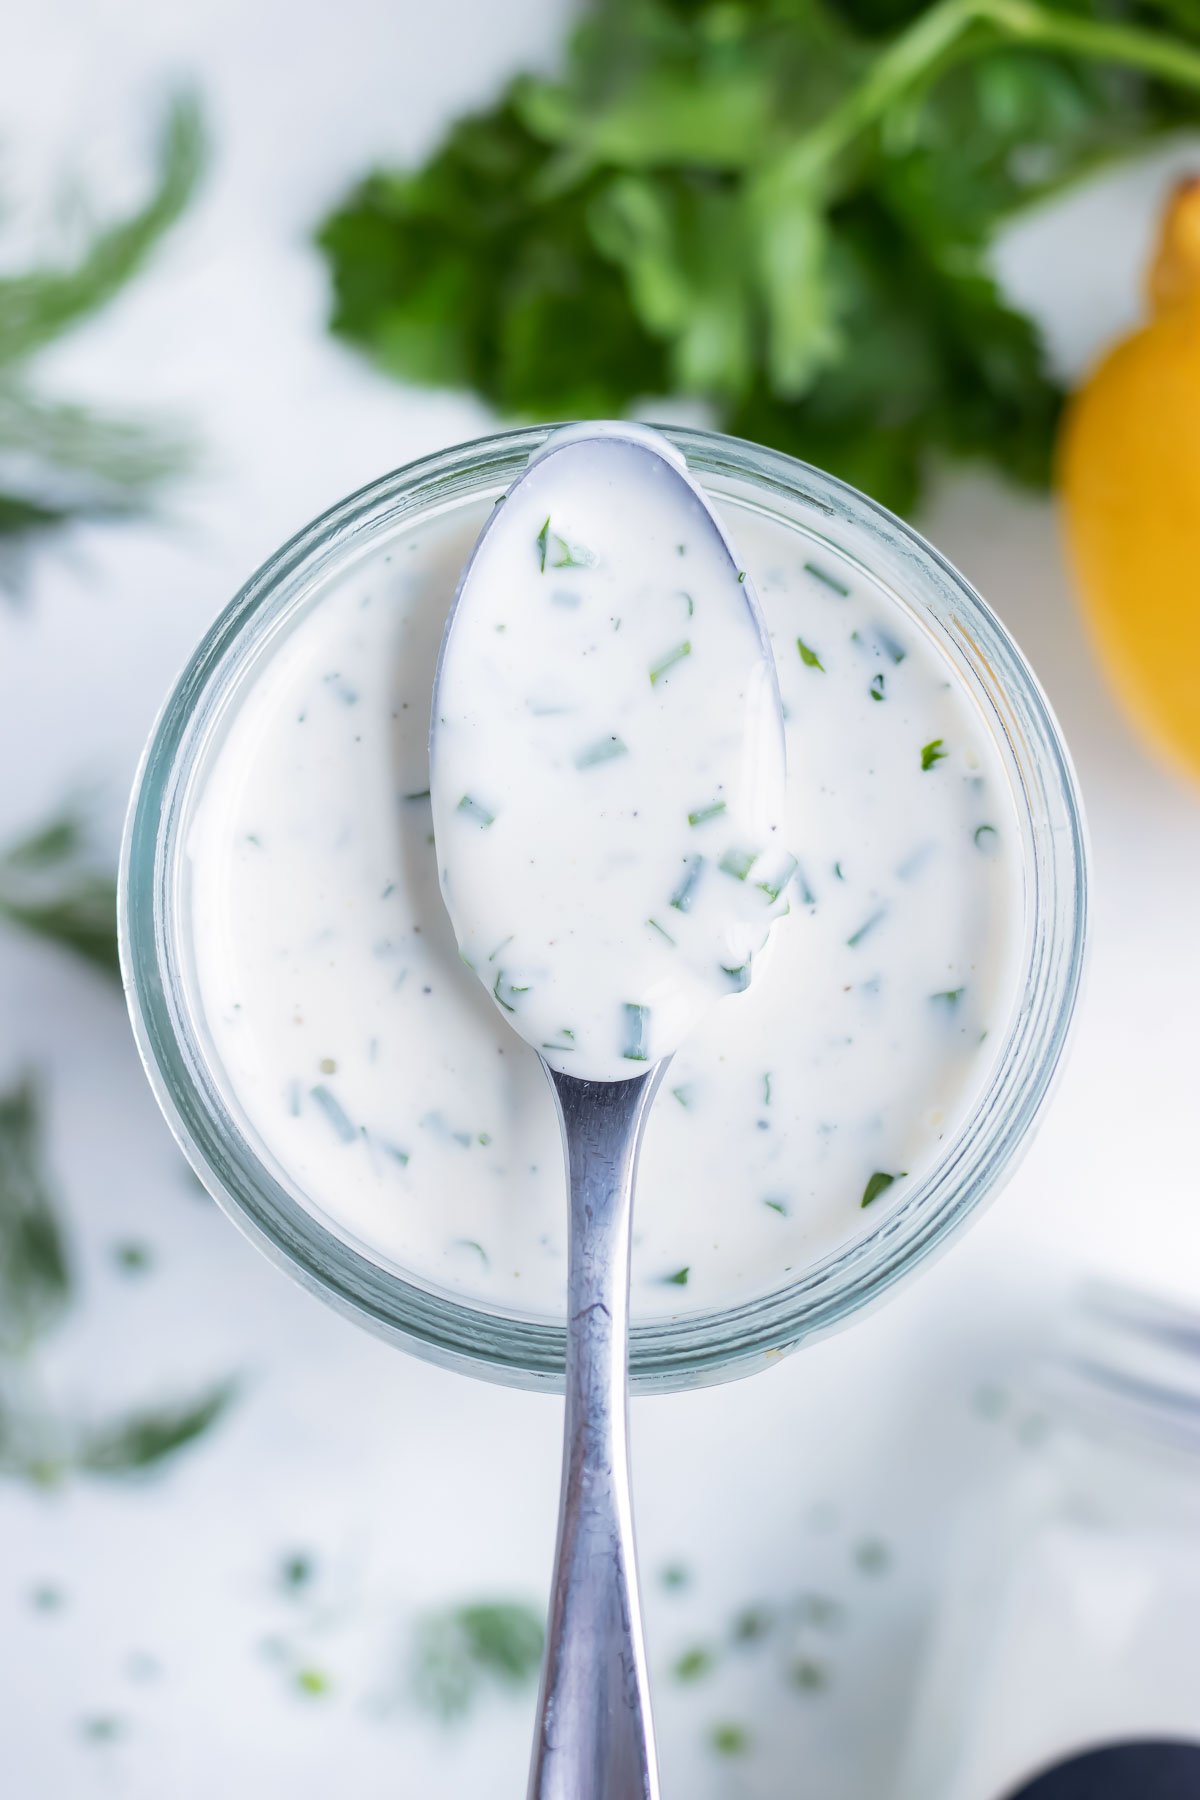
x=543, y=539
x=297, y=1570
x=503, y=945
x=637, y=1029
x=827, y=580
x=104, y=1729
x=460, y=1650
x=808, y=656
x=867, y=926
x=808, y=1675
x=395, y=1152
x=693, y=1664
x=753, y=1624
x=807, y=897
x=603, y=750
x=879, y=1183
x=872, y=1556
x=53, y=885
x=471, y=1244
x=473, y=810
x=674, y=1577
x=778, y=1206
x=560, y=554
x=741, y=576
x=704, y=813
x=335, y=1112
x=685, y=1096
x=503, y=983
x=668, y=661
x=877, y=686
x=766, y=1090
x=837, y=869
x=739, y=977
x=35, y=1275
x=982, y=833
x=932, y=753
x=144, y=1439
x=688, y=601
x=569, y=1045
x=773, y=885
x=895, y=650
x=949, y=996
x=420, y=794
x=312, y=1682
x=132, y=1258
x=730, y=1740
x=657, y=927
x=678, y=1279
x=738, y=863
x=681, y=899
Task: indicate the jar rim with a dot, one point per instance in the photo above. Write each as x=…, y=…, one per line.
x=695, y=1348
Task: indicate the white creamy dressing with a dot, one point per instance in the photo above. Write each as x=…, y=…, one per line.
x=378, y=1078
x=607, y=766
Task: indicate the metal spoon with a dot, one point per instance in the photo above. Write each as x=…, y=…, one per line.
x=594, y=1738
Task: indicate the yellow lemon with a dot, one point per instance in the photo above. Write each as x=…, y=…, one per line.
x=1129, y=478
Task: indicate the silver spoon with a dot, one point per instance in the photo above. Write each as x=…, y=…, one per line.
x=594, y=1738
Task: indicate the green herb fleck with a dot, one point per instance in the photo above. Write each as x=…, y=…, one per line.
x=889, y=645
x=657, y=927
x=35, y=1276
x=603, y=750
x=877, y=686
x=704, y=813
x=471, y=1244
x=335, y=1112
x=932, y=753
x=778, y=1206
x=766, y=1090
x=312, y=1682
x=460, y=1651
x=730, y=1739
x=660, y=668
x=419, y=794
x=949, y=996
x=543, y=540
x=569, y=1045
x=678, y=1279
x=674, y=1577
x=694, y=1664
x=738, y=977
x=144, y=1439
x=105, y=1728
x=503, y=987
x=51, y=884
x=773, y=885
x=738, y=863
x=808, y=656
x=681, y=899
x=982, y=833
x=827, y=580
x=879, y=1183
x=637, y=1032
x=685, y=1096
x=474, y=811
x=296, y=1571
x=868, y=925
x=808, y=1675
x=753, y=1624
x=132, y=1257
x=872, y=1556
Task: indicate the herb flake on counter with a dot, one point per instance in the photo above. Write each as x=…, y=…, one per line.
x=460, y=1651
x=808, y=656
x=879, y=1183
x=145, y=1438
x=668, y=661
x=730, y=1739
x=35, y=1273
x=472, y=810
x=603, y=750
x=932, y=753
x=694, y=1664
x=637, y=1032
x=53, y=885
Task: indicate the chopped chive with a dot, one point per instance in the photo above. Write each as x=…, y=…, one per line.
x=563, y=1048
x=678, y=1279
x=603, y=750
x=983, y=832
x=738, y=863
x=657, y=927
x=470, y=1244
x=879, y=1183
x=543, y=539
x=807, y=897
x=877, y=686
x=739, y=977
x=773, y=886
x=741, y=576
x=688, y=601
x=503, y=945
x=932, y=753
x=395, y=1152
x=685, y=1096
x=509, y=988
x=808, y=656
x=681, y=899
x=896, y=651
x=949, y=996
x=335, y=1112
x=637, y=1027
x=472, y=809
x=703, y=813
x=837, y=869
x=766, y=1090
x=571, y=556
x=830, y=581
x=660, y=668
x=867, y=926
x=421, y=794
x=778, y=1206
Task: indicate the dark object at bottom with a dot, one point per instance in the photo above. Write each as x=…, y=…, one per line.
x=1155, y=1771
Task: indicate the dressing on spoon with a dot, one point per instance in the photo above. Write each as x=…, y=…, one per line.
x=607, y=781
x=607, y=758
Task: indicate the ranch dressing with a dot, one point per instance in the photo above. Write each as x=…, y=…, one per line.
x=373, y=1071
x=607, y=759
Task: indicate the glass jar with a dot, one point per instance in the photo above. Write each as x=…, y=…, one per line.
x=1066, y=1657
x=699, y=1347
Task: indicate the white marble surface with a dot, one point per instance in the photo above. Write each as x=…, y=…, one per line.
x=407, y=1486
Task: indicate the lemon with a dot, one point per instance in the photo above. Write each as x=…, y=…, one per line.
x=1129, y=481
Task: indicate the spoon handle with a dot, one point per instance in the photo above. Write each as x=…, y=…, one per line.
x=594, y=1737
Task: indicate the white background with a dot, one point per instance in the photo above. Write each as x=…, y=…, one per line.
x=410, y=1487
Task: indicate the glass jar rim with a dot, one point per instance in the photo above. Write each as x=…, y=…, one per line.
x=690, y=1349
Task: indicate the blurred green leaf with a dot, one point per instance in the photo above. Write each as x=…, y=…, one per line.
x=462, y=1649
x=50, y=884
x=142, y=1440
x=35, y=1277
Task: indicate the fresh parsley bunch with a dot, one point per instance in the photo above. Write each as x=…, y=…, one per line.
x=783, y=207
